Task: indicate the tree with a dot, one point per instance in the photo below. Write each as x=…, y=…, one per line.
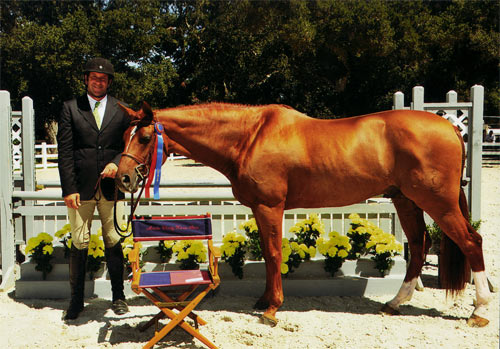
x=328, y=58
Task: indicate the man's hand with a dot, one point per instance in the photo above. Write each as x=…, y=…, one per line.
x=110, y=170
x=72, y=200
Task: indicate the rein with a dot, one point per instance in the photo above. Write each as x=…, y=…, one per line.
x=146, y=178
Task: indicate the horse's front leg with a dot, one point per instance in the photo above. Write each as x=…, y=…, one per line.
x=269, y=220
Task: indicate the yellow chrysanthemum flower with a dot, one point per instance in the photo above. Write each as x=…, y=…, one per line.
x=312, y=251
x=182, y=255
x=48, y=249
x=60, y=233
x=332, y=251
x=46, y=237
x=284, y=268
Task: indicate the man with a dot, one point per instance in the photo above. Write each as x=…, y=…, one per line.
x=90, y=142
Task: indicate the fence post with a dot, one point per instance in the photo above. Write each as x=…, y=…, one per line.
x=451, y=97
x=6, y=183
x=44, y=155
x=474, y=151
x=398, y=100
x=28, y=166
x=417, y=98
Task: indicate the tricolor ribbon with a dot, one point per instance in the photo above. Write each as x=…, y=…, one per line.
x=156, y=162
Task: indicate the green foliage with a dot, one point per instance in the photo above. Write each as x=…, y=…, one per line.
x=325, y=58
x=40, y=249
x=233, y=251
x=308, y=230
x=253, y=243
x=165, y=250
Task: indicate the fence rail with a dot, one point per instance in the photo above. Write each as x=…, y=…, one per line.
x=46, y=157
x=49, y=213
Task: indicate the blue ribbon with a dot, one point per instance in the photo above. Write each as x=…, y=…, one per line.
x=159, y=158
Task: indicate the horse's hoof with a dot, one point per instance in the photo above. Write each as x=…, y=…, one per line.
x=261, y=305
x=477, y=321
x=387, y=309
x=270, y=320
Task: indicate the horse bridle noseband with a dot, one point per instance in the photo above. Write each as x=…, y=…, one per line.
x=141, y=164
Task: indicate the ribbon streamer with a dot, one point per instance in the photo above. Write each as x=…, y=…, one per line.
x=159, y=158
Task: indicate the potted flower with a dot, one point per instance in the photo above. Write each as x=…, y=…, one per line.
x=308, y=230
x=359, y=234
x=64, y=236
x=190, y=253
x=233, y=252
x=293, y=254
x=40, y=249
x=253, y=238
x=335, y=250
x=165, y=251
x=384, y=247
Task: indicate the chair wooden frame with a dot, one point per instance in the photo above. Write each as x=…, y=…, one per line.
x=156, y=286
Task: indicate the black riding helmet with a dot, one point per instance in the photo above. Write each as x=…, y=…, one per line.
x=99, y=65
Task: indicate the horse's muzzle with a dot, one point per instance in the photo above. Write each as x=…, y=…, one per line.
x=126, y=184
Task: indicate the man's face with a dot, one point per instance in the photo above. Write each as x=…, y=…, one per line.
x=97, y=84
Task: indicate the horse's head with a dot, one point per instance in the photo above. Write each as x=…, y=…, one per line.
x=141, y=140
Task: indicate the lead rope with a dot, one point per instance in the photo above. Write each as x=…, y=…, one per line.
x=133, y=206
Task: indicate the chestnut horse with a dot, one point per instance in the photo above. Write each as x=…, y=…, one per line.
x=277, y=158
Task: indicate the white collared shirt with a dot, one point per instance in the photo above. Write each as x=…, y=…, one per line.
x=101, y=108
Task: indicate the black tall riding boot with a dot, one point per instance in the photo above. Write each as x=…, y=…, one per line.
x=114, y=262
x=77, y=263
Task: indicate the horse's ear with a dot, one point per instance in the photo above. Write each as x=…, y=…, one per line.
x=129, y=112
x=148, y=112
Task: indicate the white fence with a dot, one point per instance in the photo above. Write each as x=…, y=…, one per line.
x=46, y=156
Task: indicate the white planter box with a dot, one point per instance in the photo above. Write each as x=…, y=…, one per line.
x=355, y=278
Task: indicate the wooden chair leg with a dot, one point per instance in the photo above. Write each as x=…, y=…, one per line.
x=151, y=322
x=178, y=320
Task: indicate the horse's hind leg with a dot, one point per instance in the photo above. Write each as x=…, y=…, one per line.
x=458, y=229
x=412, y=221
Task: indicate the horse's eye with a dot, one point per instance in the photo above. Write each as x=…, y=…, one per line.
x=144, y=139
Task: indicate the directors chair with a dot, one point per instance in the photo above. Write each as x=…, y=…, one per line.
x=171, y=290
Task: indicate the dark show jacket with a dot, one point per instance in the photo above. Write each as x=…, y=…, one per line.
x=84, y=149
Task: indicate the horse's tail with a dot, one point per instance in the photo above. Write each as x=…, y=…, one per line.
x=455, y=269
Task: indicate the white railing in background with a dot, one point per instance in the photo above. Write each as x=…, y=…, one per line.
x=46, y=157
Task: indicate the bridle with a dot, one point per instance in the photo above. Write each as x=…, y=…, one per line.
x=143, y=170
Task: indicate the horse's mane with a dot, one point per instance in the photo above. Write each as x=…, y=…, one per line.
x=223, y=106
